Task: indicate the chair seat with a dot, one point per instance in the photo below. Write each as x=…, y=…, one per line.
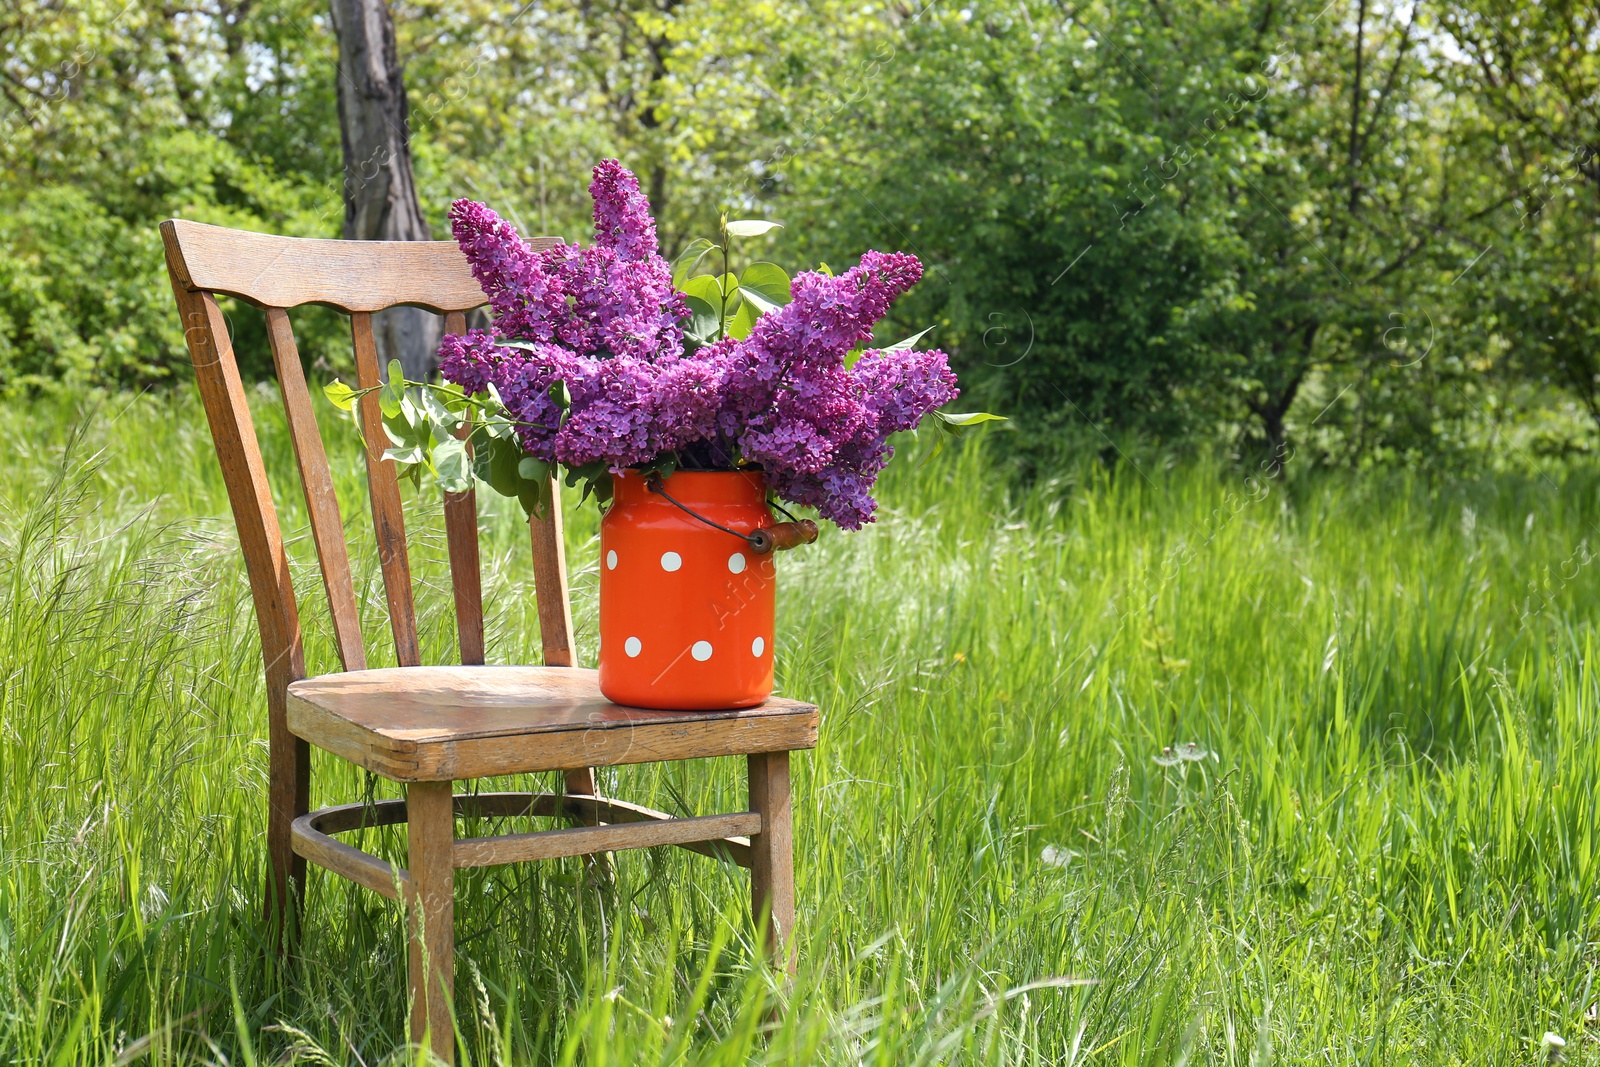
x=429, y=724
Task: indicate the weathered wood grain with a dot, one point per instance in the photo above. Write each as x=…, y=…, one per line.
x=322, y=503
x=550, y=584
x=586, y=840
x=285, y=272
x=430, y=834
x=431, y=723
x=360, y=867
x=383, y=485
x=772, y=852
x=461, y=534
x=261, y=541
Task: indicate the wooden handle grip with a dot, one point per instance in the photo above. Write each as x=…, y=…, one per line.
x=784, y=535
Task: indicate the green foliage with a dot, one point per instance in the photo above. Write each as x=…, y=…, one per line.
x=72, y=310
x=726, y=304
x=120, y=115
x=1534, y=71
x=1003, y=151
x=1206, y=224
x=423, y=422
x=1366, y=228
x=1385, y=850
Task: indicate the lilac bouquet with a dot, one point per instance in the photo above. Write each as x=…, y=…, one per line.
x=601, y=360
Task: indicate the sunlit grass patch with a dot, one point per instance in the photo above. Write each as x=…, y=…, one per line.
x=1381, y=846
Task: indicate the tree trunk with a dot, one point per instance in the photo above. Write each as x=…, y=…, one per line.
x=1272, y=405
x=380, y=197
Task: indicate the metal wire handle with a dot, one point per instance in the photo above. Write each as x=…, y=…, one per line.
x=767, y=539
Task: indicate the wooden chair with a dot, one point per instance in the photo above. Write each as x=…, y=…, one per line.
x=427, y=727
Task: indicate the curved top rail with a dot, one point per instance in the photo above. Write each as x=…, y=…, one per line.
x=284, y=272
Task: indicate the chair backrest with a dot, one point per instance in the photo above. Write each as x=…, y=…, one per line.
x=358, y=278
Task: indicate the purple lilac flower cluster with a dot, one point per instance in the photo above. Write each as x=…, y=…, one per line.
x=605, y=322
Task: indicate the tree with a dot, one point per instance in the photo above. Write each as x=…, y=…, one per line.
x=114, y=116
x=1184, y=225
x=380, y=194
x=1535, y=71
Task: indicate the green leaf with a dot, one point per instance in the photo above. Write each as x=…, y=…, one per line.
x=535, y=497
x=499, y=460
x=441, y=421
x=703, y=321
x=689, y=259
x=765, y=282
x=710, y=288
x=587, y=472
x=339, y=395
x=495, y=458
x=751, y=227
x=596, y=479
x=394, y=390
x=664, y=464
x=955, y=424
x=970, y=418
x=412, y=413
x=405, y=454
x=453, y=397
x=766, y=286
x=824, y=268
x=910, y=341
x=744, y=320
x=734, y=306
x=451, y=466
x=705, y=287
x=762, y=304
x=406, y=427
x=562, y=398
x=495, y=424
x=389, y=402
x=399, y=433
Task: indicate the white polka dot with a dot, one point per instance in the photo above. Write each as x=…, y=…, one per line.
x=736, y=562
x=611, y=560
x=757, y=647
x=701, y=651
x=632, y=647
x=671, y=561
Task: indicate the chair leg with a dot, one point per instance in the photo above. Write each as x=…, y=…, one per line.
x=288, y=798
x=772, y=857
x=581, y=783
x=431, y=832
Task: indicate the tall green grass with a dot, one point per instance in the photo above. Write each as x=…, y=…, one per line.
x=1381, y=848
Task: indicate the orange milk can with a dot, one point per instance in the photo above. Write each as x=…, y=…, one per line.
x=686, y=609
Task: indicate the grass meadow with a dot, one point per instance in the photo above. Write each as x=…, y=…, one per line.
x=1382, y=848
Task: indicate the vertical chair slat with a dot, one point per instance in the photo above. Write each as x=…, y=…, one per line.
x=550, y=584
x=387, y=521
x=461, y=530
x=555, y=612
x=322, y=505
